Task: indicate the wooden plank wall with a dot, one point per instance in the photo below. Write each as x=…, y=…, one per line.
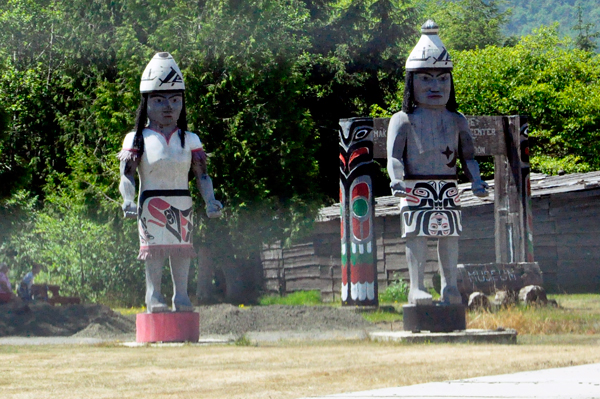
x=566, y=240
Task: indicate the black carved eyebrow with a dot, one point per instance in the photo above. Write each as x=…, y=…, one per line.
x=163, y=96
x=429, y=74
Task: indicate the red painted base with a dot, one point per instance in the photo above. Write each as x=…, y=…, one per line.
x=167, y=327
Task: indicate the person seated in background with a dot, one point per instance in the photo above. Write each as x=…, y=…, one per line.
x=6, y=293
x=25, y=288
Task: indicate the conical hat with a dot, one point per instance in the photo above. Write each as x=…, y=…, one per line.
x=429, y=51
x=162, y=73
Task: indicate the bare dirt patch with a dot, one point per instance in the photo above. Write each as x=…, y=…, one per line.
x=97, y=321
x=228, y=319
x=44, y=320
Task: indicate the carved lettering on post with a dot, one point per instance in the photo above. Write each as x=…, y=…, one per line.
x=487, y=132
x=490, y=277
x=380, y=126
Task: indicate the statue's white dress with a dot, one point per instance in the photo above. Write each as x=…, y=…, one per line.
x=165, y=212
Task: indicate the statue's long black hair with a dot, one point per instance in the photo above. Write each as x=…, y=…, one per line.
x=408, y=101
x=141, y=118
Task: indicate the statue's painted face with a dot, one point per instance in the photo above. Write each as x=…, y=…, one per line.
x=164, y=107
x=432, y=87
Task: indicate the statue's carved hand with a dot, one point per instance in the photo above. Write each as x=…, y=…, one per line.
x=213, y=209
x=129, y=209
x=398, y=188
x=479, y=188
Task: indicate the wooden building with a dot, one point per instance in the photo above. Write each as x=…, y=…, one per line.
x=566, y=237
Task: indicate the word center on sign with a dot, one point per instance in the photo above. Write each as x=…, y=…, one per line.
x=486, y=132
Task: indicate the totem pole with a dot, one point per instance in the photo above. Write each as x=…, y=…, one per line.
x=425, y=140
x=357, y=205
x=163, y=153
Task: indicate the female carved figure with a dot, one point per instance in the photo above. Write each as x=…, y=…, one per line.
x=163, y=152
x=424, y=142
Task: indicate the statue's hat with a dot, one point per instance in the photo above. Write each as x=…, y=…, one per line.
x=162, y=73
x=429, y=51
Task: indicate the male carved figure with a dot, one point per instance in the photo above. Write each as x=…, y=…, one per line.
x=162, y=152
x=424, y=142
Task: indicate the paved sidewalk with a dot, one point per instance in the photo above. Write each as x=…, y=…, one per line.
x=578, y=382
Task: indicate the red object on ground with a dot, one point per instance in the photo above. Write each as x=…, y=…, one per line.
x=167, y=327
x=4, y=298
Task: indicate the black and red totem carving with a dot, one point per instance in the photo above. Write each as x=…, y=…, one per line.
x=357, y=205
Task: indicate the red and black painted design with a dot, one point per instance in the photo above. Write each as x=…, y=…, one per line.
x=178, y=222
x=166, y=224
x=431, y=209
x=359, y=262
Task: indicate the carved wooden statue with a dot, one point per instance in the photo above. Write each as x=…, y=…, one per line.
x=162, y=152
x=425, y=140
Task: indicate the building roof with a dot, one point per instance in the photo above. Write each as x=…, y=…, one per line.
x=541, y=185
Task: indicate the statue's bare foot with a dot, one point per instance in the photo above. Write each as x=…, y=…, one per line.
x=451, y=296
x=158, y=308
x=157, y=304
x=182, y=304
x=419, y=297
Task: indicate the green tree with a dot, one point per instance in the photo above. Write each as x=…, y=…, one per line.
x=357, y=55
x=584, y=40
x=267, y=81
x=543, y=77
x=468, y=24
x=87, y=257
x=528, y=15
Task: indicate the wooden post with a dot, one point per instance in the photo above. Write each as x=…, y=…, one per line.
x=526, y=188
x=509, y=197
x=357, y=203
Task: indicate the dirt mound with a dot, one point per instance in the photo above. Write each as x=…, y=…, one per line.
x=44, y=320
x=98, y=321
x=228, y=319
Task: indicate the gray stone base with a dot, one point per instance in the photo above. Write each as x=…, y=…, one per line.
x=508, y=336
x=434, y=318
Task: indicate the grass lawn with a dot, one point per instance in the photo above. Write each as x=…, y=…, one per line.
x=575, y=314
x=276, y=371
x=548, y=337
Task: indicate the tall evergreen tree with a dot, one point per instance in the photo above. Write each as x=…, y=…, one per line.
x=468, y=24
x=584, y=39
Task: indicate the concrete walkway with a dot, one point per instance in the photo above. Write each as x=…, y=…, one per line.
x=578, y=382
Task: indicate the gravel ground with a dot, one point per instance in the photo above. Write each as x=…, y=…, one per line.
x=43, y=320
x=100, y=322
x=228, y=319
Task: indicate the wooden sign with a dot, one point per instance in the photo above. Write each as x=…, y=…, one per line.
x=491, y=277
x=380, y=126
x=487, y=132
x=488, y=135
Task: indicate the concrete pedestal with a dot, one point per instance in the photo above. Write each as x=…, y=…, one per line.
x=434, y=318
x=467, y=336
x=167, y=327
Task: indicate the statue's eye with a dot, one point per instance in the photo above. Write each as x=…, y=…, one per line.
x=361, y=133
